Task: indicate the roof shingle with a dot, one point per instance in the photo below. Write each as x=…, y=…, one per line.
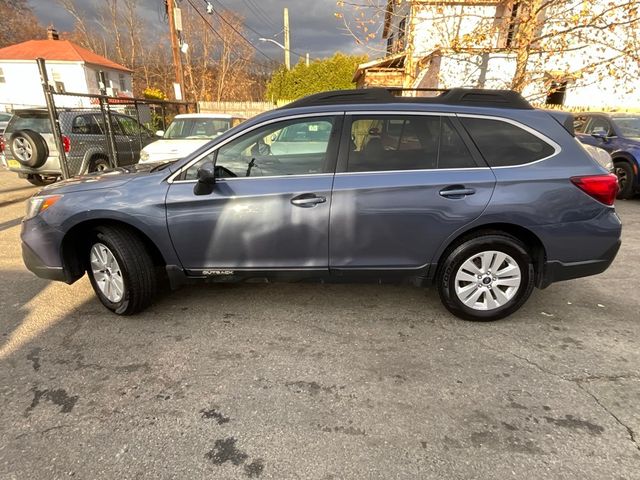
x=60, y=50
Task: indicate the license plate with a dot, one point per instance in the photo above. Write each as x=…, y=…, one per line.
x=13, y=164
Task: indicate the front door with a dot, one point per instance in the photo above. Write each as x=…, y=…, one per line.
x=269, y=208
x=405, y=184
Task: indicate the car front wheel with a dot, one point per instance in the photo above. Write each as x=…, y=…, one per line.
x=121, y=270
x=486, y=278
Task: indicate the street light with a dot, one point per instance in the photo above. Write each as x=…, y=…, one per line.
x=272, y=41
x=286, y=50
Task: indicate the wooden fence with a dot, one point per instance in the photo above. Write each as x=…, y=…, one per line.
x=242, y=109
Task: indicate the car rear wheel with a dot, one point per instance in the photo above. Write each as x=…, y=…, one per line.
x=29, y=148
x=486, y=278
x=624, y=172
x=99, y=164
x=121, y=270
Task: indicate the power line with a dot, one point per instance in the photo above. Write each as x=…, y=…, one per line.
x=232, y=28
x=215, y=32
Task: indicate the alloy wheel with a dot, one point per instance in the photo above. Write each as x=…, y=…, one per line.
x=487, y=280
x=106, y=272
x=22, y=149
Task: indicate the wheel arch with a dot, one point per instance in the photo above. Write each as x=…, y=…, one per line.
x=89, y=155
x=75, y=245
x=532, y=242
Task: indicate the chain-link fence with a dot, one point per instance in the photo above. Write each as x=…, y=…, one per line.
x=76, y=133
x=101, y=132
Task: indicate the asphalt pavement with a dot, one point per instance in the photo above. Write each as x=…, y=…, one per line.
x=307, y=381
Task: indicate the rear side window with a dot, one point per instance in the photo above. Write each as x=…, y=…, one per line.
x=86, y=125
x=38, y=122
x=503, y=144
x=418, y=142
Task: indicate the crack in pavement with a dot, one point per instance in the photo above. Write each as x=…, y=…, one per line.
x=630, y=432
x=576, y=381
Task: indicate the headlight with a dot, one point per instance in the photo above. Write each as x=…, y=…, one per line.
x=36, y=205
x=144, y=156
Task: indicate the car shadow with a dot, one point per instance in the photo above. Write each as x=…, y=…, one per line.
x=10, y=224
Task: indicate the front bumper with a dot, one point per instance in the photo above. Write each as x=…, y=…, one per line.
x=38, y=267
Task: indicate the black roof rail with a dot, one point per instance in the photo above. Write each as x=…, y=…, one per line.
x=473, y=97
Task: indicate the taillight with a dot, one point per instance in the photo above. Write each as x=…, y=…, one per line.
x=1, y=144
x=603, y=188
x=66, y=143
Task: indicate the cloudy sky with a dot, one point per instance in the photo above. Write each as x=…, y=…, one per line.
x=314, y=28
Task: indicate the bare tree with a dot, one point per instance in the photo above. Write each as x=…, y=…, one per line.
x=598, y=37
x=18, y=23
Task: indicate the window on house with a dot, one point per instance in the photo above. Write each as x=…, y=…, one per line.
x=402, y=30
x=123, y=83
x=390, y=44
x=2, y=80
x=556, y=93
x=512, y=27
x=57, y=80
x=507, y=16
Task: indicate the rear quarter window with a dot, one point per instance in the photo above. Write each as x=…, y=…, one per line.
x=29, y=121
x=503, y=144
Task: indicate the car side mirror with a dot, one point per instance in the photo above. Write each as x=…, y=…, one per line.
x=601, y=134
x=160, y=133
x=206, y=179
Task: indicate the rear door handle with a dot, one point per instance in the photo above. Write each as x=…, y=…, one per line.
x=456, y=191
x=307, y=200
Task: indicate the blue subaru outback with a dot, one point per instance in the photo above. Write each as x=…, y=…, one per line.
x=473, y=191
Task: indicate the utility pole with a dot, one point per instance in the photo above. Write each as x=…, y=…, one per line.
x=287, y=53
x=307, y=58
x=175, y=46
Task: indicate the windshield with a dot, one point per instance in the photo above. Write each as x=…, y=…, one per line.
x=194, y=128
x=628, y=126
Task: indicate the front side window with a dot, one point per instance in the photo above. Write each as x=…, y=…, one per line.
x=418, y=142
x=599, y=125
x=293, y=147
x=129, y=126
x=503, y=144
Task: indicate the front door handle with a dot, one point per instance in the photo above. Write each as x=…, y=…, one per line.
x=456, y=191
x=307, y=200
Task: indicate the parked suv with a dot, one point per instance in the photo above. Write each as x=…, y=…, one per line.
x=618, y=134
x=473, y=191
x=32, y=153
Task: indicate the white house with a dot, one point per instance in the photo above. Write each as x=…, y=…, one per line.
x=472, y=43
x=70, y=67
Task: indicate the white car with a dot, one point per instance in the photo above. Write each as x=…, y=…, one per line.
x=187, y=133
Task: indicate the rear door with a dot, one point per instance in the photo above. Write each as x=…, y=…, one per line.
x=404, y=184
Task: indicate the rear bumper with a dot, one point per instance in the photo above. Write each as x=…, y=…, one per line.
x=556, y=271
x=39, y=268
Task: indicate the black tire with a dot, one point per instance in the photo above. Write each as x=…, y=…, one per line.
x=99, y=164
x=40, y=181
x=489, y=241
x=138, y=272
x=29, y=148
x=626, y=179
